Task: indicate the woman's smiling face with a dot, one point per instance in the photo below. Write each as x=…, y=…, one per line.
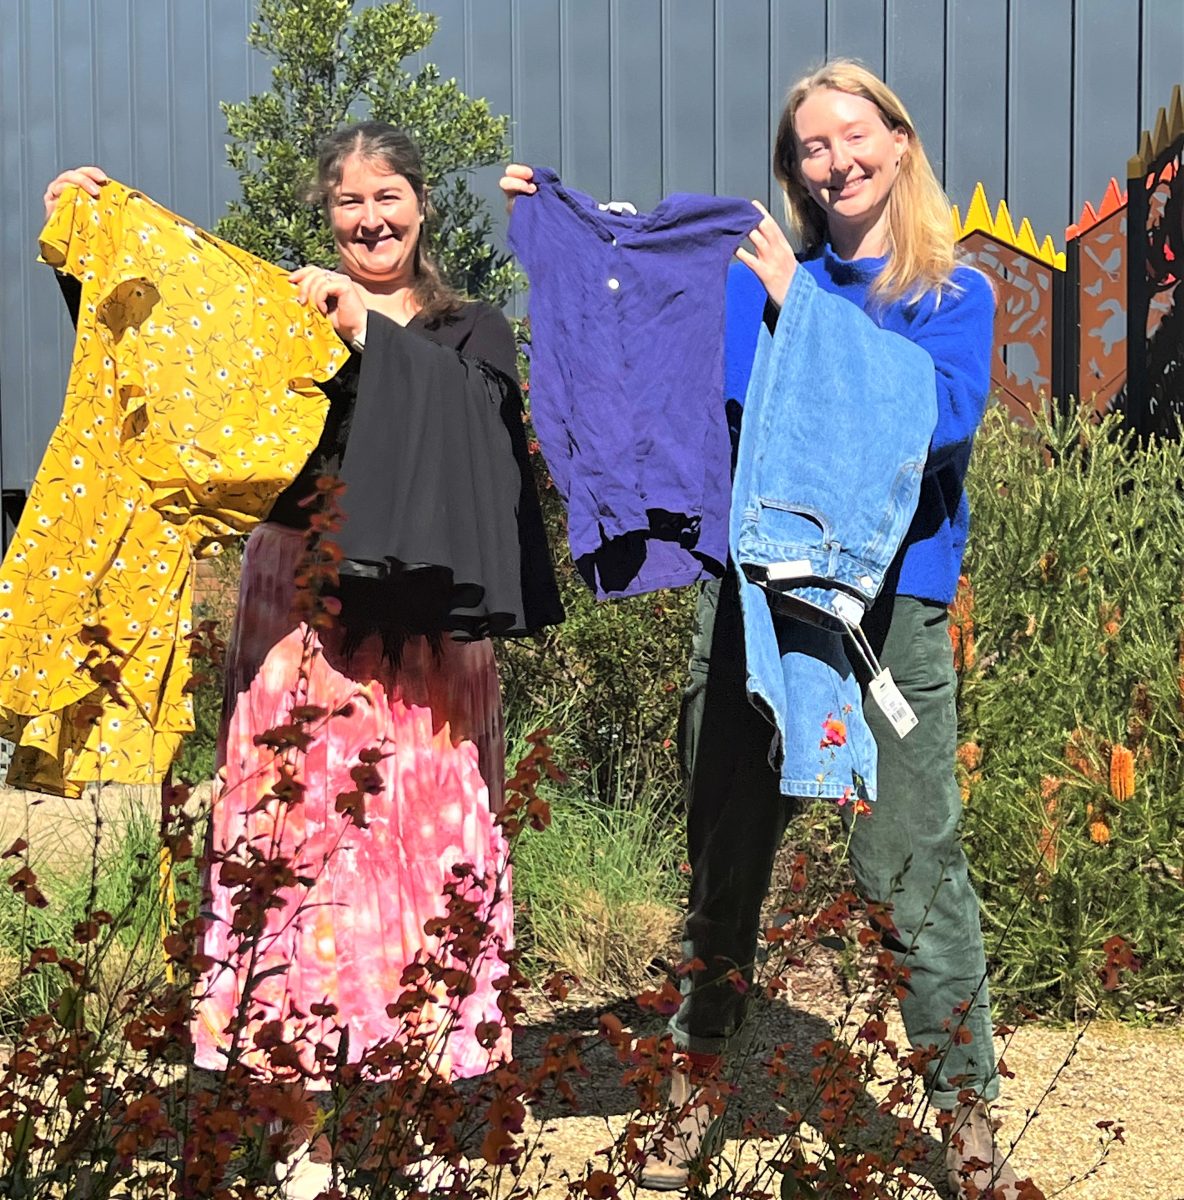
x=848, y=159
x=376, y=220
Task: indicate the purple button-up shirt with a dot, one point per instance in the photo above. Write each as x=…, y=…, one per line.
x=627, y=321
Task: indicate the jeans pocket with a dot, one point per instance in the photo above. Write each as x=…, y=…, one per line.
x=796, y=526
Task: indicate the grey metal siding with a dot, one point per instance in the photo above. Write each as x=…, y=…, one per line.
x=1040, y=99
x=133, y=86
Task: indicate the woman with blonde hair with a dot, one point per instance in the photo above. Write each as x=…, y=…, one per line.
x=873, y=226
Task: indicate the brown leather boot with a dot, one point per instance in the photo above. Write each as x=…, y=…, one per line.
x=976, y=1165
x=685, y=1139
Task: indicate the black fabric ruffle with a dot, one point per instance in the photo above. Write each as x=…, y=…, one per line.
x=443, y=530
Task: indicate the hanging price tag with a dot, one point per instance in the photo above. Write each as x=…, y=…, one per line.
x=892, y=704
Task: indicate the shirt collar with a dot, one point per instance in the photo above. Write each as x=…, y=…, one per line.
x=851, y=270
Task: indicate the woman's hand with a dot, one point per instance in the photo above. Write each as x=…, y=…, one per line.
x=337, y=296
x=89, y=179
x=774, y=261
x=517, y=182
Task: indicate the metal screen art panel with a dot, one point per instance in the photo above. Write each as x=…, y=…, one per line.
x=1027, y=276
x=1165, y=307
x=1156, y=316
x=1022, y=361
x=1100, y=282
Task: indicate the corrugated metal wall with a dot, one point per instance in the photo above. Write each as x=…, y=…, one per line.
x=1041, y=99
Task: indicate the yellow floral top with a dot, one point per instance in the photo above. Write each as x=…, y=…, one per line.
x=191, y=404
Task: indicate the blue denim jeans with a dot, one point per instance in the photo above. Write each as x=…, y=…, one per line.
x=907, y=853
x=828, y=471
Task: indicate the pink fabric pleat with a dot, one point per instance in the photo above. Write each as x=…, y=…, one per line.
x=345, y=938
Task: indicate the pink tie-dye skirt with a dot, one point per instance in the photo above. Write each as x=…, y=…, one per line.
x=348, y=920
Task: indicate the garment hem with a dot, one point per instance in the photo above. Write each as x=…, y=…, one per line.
x=823, y=791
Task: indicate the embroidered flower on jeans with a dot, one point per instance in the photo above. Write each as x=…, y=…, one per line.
x=834, y=732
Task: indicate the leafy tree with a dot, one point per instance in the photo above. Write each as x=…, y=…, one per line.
x=332, y=65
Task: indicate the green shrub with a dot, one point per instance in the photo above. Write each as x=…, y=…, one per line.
x=598, y=890
x=1071, y=647
x=120, y=878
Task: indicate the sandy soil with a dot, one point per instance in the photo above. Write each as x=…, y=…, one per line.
x=1132, y=1077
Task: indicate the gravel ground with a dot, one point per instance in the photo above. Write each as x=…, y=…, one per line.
x=1107, y=1079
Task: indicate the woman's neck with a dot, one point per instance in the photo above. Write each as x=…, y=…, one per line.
x=394, y=299
x=855, y=242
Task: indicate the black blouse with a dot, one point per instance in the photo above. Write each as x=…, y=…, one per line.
x=442, y=532
x=477, y=331
x=446, y=535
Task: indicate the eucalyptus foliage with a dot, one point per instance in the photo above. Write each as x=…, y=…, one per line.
x=335, y=62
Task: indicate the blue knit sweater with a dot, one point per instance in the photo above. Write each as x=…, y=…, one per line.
x=956, y=331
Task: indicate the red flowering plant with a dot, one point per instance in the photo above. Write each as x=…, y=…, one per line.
x=103, y=1102
x=95, y=1099
x=834, y=737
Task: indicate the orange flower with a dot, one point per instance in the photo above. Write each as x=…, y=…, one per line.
x=962, y=625
x=1111, y=617
x=1122, y=773
x=970, y=755
x=834, y=733
x=955, y=632
x=1099, y=831
x=962, y=609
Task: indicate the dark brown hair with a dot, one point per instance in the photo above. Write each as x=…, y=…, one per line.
x=378, y=142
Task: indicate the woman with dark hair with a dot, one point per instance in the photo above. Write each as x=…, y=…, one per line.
x=387, y=803
x=429, y=706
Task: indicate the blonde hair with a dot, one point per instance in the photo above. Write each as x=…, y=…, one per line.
x=921, y=249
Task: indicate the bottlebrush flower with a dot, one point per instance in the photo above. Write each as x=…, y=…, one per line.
x=962, y=626
x=1122, y=773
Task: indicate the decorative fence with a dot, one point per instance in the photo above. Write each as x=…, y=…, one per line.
x=1098, y=323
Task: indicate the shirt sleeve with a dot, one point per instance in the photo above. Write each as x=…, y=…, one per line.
x=696, y=222
x=737, y=217
x=492, y=341
x=957, y=334
x=526, y=213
